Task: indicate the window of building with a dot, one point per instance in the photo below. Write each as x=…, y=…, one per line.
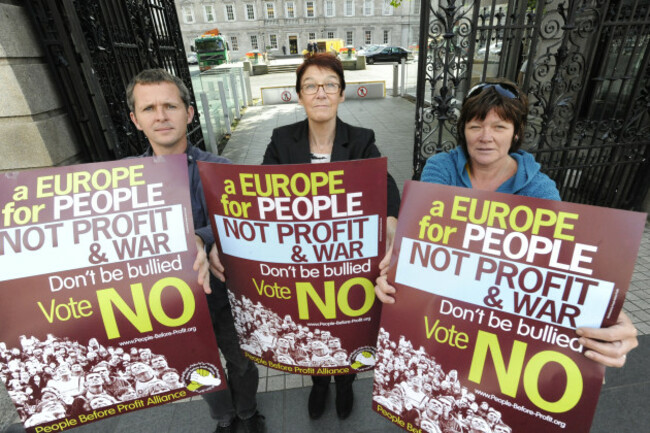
x=208, y=13
x=349, y=38
x=415, y=7
x=414, y=34
x=329, y=8
x=312, y=36
x=290, y=9
x=310, y=9
x=368, y=37
x=250, y=11
x=386, y=37
x=330, y=35
x=270, y=11
x=230, y=12
x=273, y=41
x=368, y=7
x=188, y=14
x=234, y=45
x=388, y=8
x=349, y=8
x=254, y=42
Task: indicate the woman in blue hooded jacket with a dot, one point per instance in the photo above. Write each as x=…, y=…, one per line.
x=491, y=126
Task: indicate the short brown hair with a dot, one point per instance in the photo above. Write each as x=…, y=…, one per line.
x=513, y=110
x=323, y=61
x=155, y=76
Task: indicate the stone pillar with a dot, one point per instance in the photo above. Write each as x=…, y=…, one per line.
x=35, y=129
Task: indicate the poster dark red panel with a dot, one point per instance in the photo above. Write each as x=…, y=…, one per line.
x=493, y=286
x=101, y=312
x=301, y=245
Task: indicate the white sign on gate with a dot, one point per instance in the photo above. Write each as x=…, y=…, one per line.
x=279, y=95
x=356, y=90
x=365, y=90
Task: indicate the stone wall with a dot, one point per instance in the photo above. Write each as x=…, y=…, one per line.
x=8, y=414
x=34, y=127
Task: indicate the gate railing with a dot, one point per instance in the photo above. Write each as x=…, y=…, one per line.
x=95, y=48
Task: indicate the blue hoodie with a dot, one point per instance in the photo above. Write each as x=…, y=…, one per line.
x=449, y=169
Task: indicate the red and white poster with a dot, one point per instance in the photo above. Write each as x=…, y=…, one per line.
x=101, y=312
x=301, y=246
x=490, y=288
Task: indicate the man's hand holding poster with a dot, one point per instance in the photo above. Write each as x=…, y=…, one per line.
x=494, y=286
x=98, y=292
x=301, y=246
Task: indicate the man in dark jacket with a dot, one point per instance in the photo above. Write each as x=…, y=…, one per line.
x=160, y=108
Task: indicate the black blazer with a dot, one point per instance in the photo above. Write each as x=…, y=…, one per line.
x=290, y=145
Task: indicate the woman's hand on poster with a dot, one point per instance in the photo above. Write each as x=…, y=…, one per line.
x=215, y=264
x=202, y=266
x=609, y=346
x=383, y=290
x=391, y=227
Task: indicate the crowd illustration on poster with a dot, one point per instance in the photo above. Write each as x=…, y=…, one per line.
x=411, y=385
x=60, y=377
x=264, y=333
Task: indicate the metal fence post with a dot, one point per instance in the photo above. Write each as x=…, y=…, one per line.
x=224, y=106
x=249, y=92
x=395, y=79
x=235, y=96
x=243, y=87
x=402, y=68
x=212, y=142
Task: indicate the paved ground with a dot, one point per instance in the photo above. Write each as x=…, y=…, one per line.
x=624, y=400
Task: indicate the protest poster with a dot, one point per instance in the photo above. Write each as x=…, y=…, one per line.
x=101, y=312
x=301, y=245
x=493, y=286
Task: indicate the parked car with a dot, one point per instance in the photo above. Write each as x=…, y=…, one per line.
x=192, y=59
x=493, y=50
x=388, y=54
x=369, y=49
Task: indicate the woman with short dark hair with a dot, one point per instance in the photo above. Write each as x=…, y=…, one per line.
x=490, y=132
x=323, y=137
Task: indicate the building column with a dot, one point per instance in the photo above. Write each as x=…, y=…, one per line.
x=35, y=129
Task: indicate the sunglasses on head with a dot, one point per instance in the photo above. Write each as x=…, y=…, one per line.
x=502, y=89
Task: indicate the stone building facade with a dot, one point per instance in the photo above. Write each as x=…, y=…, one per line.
x=284, y=27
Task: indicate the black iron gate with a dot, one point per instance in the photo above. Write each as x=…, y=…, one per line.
x=95, y=47
x=585, y=65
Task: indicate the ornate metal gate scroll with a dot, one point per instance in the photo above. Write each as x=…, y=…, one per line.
x=585, y=65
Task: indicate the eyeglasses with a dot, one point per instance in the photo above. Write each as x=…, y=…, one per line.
x=503, y=89
x=311, y=89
